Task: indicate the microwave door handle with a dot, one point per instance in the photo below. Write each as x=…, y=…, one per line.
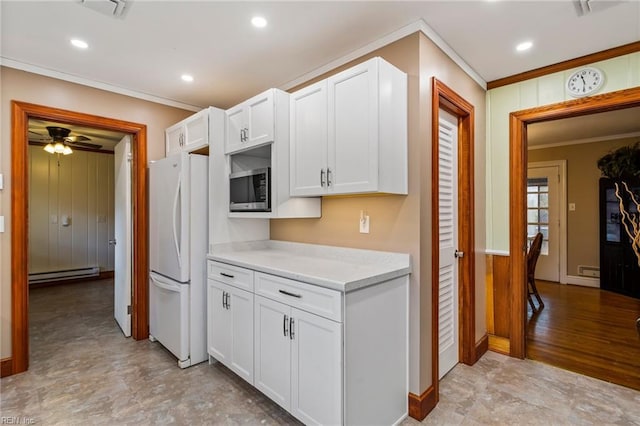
x=175, y=217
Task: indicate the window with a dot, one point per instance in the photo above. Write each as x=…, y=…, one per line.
x=538, y=211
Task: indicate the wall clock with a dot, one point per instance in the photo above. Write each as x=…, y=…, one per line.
x=585, y=81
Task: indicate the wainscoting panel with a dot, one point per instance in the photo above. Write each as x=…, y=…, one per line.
x=498, y=302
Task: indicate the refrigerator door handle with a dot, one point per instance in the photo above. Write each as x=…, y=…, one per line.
x=175, y=228
x=164, y=286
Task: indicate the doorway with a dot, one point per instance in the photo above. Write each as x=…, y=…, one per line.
x=518, y=190
x=461, y=114
x=21, y=113
x=545, y=198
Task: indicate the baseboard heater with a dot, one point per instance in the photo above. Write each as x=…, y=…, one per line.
x=589, y=271
x=66, y=274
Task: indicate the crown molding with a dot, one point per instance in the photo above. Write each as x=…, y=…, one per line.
x=586, y=140
x=10, y=63
x=419, y=25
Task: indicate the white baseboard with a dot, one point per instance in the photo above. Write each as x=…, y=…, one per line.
x=583, y=281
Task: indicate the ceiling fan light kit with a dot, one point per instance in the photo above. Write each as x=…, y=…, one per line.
x=58, y=134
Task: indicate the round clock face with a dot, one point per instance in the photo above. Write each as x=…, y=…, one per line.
x=585, y=81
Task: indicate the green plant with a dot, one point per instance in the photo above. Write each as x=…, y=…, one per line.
x=621, y=164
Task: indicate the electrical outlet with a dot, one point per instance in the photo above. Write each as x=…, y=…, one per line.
x=572, y=207
x=364, y=223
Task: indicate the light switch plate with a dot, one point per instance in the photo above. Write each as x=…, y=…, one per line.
x=572, y=207
x=1, y=181
x=1, y=223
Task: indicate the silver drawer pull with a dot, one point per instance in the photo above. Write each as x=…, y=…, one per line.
x=299, y=296
x=226, y=275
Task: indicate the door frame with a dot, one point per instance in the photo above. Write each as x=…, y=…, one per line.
x=445, y=98
x=562, y=213
x=518, y=122
x=21, y=112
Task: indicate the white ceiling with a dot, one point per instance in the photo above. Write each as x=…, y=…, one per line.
x=624, y=123
x=155, y=42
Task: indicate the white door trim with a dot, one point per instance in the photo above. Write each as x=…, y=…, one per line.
x=562, y=189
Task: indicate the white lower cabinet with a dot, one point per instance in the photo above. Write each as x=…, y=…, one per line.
x=328, y=357
x=230, y=327
x=298, y=361
x=316, y=369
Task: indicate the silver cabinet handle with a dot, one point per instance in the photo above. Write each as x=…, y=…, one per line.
x=290, y=294
x=246, y=134
x=459, y=254
x=226, y=275
x=291, y=325
x=285, y=331
x=328, y=177
x=224, y=295
x=322, y=177
x=228, y=300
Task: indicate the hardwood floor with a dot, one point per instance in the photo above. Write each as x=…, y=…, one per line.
x=587, y=330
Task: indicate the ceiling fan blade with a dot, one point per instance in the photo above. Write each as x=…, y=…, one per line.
x=84, y=145
x=78, y=138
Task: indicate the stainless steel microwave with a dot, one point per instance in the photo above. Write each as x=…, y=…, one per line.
x=250, y=191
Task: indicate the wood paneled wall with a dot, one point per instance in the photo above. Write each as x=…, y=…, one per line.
x=80, y=186
x=498, y=303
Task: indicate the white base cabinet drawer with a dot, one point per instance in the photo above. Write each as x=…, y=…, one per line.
x=230, y=274
x=317, y=300
x=298, y=361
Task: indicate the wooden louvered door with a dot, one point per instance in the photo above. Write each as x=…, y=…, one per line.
x=448, y=340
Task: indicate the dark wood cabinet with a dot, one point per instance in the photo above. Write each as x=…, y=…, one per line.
x=619, y=270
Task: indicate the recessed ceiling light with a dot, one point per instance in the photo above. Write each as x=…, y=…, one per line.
x=186, y=77
x=525, y=45
x=80, y=44
x=259, y=22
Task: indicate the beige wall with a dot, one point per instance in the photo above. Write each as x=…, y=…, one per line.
x=80, y=186
x=402, y=223
x=583, y=238
x=27, y=87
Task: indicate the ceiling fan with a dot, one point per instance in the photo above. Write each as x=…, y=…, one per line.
x=61, y=134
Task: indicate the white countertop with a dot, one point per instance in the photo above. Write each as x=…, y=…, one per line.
x=338, y=268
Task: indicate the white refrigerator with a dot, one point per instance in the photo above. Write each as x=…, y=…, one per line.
x=178, y=199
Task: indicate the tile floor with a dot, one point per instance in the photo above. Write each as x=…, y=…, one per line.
x=82, y=371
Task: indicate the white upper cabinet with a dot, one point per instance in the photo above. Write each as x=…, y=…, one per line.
x=309, y=139
x=266, y=145
x=251, y=123
x=349, y=133
x=190, y=134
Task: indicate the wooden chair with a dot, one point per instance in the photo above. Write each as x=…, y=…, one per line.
x=532, y=259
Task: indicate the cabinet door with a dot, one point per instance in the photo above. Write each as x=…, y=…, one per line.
x=197, y=131
x=316, y=369
x=241, y=309
x=234, y=128
x=173, y=139
x=308, y=109
x=260, y=119
x=273, y=350
x=353, y=130
x=218, y=323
